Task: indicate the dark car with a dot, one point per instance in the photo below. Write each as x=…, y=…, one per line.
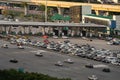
x=89, y=66
x=81, y=55
x=14, y=61
x=106, y=70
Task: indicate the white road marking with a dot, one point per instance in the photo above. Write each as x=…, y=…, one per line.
x=39, y=50
x=100, y=66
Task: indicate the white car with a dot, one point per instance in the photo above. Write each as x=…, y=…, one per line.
x=40, y=54
x=12, y=42
x=64, y=37
x=93, y=77
x=110, y=43
x=55, y=37
x=59, y=63
x=4, y=46
x=20, y=47
x=69, y=61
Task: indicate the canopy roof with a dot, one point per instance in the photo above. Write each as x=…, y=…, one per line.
x=60, y=17
x=100, y=16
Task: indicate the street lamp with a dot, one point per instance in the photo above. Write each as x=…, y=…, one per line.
x=45, y=10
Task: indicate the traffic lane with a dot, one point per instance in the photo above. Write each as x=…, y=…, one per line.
x=42, y=65
x=45, y=64
x=10, y=53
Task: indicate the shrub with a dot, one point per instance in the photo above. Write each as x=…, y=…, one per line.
x=13, y=74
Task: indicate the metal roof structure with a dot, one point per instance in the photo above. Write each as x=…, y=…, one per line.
x=99, y=16
x=51, y=24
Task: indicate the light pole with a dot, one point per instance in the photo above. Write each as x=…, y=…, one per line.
x=45, y=10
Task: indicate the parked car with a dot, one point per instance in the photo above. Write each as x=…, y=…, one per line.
x=55, y=37
x=108, y=38
x=64, y=37
x=20, y=47
x=13, y=42
x=4, y=46
x=69, y=61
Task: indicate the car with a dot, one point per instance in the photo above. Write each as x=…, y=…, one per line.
x=89, y=66
x=64, y=37
x=13, y=60
x=69, y=61
x=106, y=70
x=59, y=63
x=12, y=42
x=4, y=46
x=67, y=41
x=20, y=47
x=40, y=54
x=83, y=55
x=55, y=37
x=93, y=77
x=108, y=38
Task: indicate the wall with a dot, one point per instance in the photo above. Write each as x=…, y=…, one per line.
x=117, y=17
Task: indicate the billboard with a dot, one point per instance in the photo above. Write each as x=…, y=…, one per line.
x=113, y=24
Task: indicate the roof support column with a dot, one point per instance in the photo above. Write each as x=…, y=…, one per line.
x=25, y=8
x=5, y=29
x=60, y=10
x=73, y=32
x=59, y=31
x=78, y=31
x=43, y=30
x=108, y=30
x=1, y=29
x=29, y=29
x=10, y=29
x=106, y=13
x=97, y=12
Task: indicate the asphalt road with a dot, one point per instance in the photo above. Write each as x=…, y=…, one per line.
x=45, y=64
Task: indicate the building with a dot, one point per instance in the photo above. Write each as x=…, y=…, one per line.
x=76, y=13
x=117, y=29
x=101, y=20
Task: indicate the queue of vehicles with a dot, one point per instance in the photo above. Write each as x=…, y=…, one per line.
x=66, y=47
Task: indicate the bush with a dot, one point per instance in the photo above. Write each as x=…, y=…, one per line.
x=17, y=75
x=19, y=33
x=30, y=33
x=39, y=34
x=13, y=33
x=4, y=33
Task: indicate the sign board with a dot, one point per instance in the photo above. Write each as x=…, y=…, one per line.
x=113, y=24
